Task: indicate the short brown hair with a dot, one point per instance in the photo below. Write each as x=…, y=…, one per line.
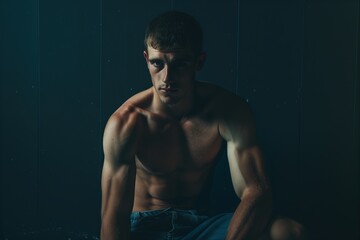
x=174, y=30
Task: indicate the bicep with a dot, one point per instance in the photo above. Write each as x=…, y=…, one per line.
x=118, y=173
x=244, y=154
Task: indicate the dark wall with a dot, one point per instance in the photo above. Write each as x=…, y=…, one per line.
x=67, y=65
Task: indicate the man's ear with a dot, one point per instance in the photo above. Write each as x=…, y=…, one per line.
x=146, y=58
x=145, y=55
x=200, y=61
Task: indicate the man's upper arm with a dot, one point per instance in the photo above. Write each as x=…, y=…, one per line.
x=118, y=175
x=245, y=160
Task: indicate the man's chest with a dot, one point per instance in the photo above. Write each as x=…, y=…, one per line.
x=190, y=145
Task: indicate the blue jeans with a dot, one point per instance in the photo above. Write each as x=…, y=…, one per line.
x=177, y=224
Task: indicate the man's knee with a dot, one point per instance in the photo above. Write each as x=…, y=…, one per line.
x=287, y=229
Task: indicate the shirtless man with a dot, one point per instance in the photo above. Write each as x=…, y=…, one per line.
x=161, y=146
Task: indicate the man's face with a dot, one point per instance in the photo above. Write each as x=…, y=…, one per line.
x=172, y=73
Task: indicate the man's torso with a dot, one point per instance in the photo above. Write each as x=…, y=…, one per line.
x=175, y=157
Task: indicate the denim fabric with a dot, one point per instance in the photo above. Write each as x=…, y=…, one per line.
x=174, y=224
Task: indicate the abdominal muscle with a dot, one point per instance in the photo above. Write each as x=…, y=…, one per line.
x=182, y=189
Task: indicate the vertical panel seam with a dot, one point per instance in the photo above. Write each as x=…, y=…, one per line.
x=237, y=46
x=100, y=81
x=38, y=77
x=356, y=88
x=300, y=101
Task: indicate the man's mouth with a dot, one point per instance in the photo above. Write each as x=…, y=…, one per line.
x=169, y=89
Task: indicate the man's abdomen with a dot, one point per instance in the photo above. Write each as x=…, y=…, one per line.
x=183, y=190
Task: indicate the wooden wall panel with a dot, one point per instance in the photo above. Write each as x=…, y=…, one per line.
x=329, y=153
x=19, y=115
x=70, y=112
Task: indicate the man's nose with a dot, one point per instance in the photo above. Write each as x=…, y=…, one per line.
x=168, y=75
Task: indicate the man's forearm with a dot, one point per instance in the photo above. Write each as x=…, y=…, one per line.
x=251, y=216
x=115, y=229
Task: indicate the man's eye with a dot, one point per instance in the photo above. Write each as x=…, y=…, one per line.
x=157, y=64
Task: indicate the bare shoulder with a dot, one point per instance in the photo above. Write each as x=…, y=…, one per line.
x=233, y=113
x=122, y=120
x=122, y=129
x=128, y=114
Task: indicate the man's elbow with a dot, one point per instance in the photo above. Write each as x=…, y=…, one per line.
x=260, y=194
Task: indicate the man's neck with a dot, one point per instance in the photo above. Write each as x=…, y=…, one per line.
x=181, y=109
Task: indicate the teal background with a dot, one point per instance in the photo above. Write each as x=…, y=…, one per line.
x=67, y=65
